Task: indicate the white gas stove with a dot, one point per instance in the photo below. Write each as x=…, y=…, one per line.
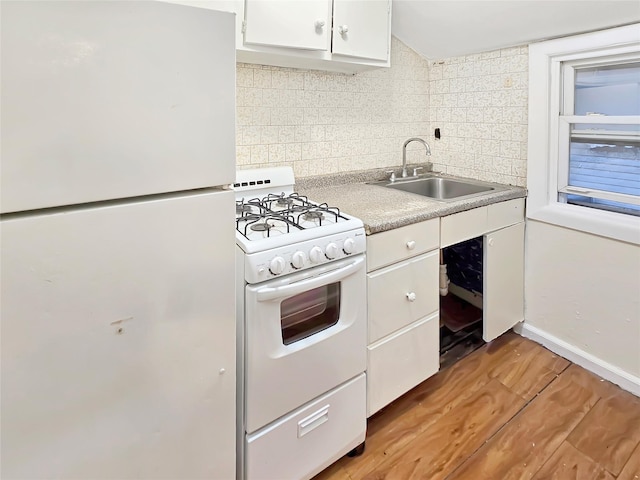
x=301, y=319
x=284, y=232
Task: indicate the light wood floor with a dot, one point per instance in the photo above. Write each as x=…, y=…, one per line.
x=510, y=410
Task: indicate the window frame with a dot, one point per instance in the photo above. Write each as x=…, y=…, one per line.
x=549, y=128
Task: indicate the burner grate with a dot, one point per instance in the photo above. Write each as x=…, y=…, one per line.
x=279, y=214
x=265, y=224
x=313, y=215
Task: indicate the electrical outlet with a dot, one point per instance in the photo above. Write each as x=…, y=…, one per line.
x=508, y=82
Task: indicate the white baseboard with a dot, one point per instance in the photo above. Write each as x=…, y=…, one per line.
x=594, y=364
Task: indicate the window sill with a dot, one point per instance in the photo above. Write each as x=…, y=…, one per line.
x=625, y=228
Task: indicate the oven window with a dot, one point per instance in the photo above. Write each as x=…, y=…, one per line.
x=309, y=313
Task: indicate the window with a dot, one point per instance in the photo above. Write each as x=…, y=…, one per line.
x=584, y=133
x=599, y=136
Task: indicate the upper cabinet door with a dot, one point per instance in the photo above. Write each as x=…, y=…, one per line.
x=361, y=28
x=301, y=24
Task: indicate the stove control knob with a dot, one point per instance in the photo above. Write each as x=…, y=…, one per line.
x=331, y=251
x=297, y=260
x=349, y=246
x=316, y=254
x=277, y=265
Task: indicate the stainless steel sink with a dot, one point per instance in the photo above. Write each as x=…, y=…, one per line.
x=439, y=188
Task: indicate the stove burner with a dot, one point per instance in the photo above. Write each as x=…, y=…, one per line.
x=242, y=208
x=313, y=215
x=279, y=214
x=284, y=202
x=260, y=227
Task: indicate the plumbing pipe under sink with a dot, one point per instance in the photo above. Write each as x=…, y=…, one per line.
x=444, y=278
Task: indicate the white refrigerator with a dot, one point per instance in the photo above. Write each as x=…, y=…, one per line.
x=117, y=241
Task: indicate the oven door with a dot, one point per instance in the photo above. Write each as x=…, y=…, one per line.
x=304, y=335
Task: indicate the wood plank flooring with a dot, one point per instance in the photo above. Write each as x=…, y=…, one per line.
x=510, y=410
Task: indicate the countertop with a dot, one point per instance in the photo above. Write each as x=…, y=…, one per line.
x=382, y=208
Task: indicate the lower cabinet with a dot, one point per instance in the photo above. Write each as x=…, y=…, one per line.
x=403, y=316
x=503, y=298
x=402, y=360
x=403, y=292
x=501, y=226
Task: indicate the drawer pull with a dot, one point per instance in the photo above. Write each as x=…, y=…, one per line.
x=313, y=421
x=411, y=296
x=411, y=244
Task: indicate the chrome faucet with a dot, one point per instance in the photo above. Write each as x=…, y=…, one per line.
x=404, y=154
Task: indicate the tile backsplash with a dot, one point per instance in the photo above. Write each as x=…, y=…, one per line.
x=323, y=122
x=480, y=103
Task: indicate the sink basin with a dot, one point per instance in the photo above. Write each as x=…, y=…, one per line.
x=442, y=189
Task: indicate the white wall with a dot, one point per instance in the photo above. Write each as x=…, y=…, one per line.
x=585, y=290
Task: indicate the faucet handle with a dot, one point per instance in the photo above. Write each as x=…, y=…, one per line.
x=392, y=177
x=415, y=171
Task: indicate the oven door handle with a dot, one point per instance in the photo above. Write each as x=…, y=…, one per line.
x=272, y=293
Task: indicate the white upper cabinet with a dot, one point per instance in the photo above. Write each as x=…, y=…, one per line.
x=361, y=28
x=347, y=36
x=337, y=35
x=303, y=24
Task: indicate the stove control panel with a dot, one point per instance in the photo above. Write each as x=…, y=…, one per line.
x=277, y=262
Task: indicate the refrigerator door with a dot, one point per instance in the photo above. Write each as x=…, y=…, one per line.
x=118, y=341
x=104, y=100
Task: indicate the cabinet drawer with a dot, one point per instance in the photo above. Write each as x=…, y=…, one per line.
x=401, y=243
x=304, y=442
x=503, y=214
x=401, y=294
x=401, y=361
x=463, y=226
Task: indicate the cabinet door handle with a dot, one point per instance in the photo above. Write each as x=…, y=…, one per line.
x=343, y=29
x=411, y=296
x=319, y=23
x=411, y=244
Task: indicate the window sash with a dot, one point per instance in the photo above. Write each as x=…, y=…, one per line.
x=568, y=66
x=565, y=138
